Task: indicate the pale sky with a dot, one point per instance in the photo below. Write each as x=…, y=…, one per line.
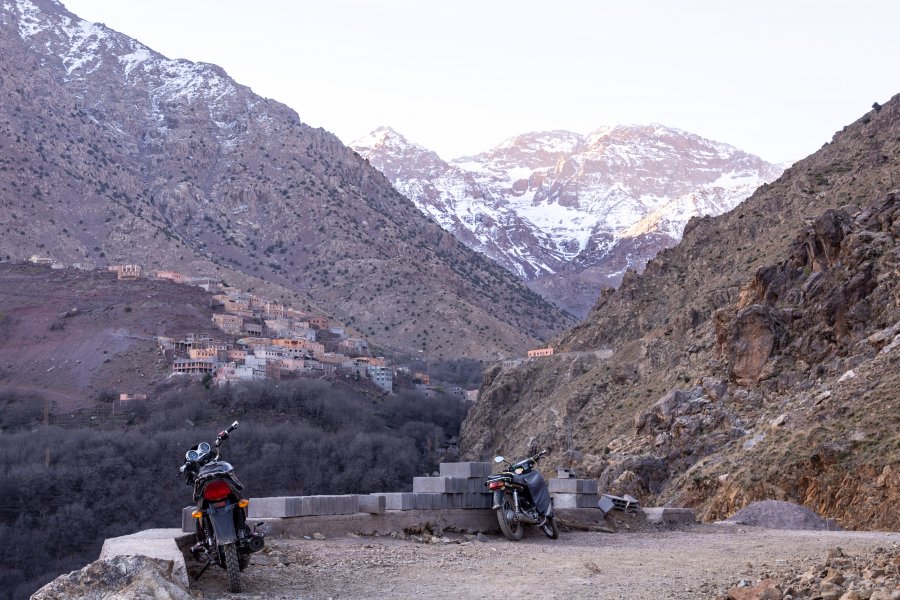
x=776, y=78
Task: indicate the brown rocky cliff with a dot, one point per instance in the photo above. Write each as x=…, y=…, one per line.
x=767, y=353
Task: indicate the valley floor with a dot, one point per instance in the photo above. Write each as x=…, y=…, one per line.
x=695, y=563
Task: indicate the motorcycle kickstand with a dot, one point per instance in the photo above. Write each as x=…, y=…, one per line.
x=203, y=569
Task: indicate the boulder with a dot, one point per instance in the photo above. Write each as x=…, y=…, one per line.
x=132, y=577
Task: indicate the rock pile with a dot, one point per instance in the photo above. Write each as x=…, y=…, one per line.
x=872, y=576
x=775, y=514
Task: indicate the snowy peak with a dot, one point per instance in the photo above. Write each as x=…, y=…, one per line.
x=534, y=150
x=560, y=204
x=87, y=49
x=385, y=138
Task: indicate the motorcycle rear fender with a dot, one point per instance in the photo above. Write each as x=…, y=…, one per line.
x=498, y=499
x=222, y=520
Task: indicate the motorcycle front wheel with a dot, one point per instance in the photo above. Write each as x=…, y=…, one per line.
x=550, y=528
x=232, y=567
x=511, y=528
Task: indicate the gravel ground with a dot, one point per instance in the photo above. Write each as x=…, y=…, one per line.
x=697, y=562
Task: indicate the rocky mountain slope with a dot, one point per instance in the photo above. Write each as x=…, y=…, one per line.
x=757, y=359
x=110, y=153
x=570, y=213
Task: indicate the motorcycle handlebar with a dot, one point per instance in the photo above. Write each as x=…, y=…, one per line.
x=223, y=435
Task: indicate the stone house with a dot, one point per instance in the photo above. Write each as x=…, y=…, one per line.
x=232, y=324
x=382, y=376
x=316, y=348
x=170, y=275
x=192, y=366
x=125, y=271
x=253, y=329
x=203, y=353
x=540, y=352
x=318, y=322
x=354, y=346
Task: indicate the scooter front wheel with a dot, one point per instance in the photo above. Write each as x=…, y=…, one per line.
x=512, y=529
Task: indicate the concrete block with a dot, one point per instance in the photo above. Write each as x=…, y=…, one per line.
x=456, y=500
x=375, y=505
x=606, y=504
x=345, y=504
x=473, y=501
x=563, y=486
x=565, y=500
x=309, y=505
x=399, y=501
x=325, y=505
x=428, y=485
x=424, y=501
x=438, y=485
x=671, y=516
x=572, y=486
x=188, y=524
x=586, y=500
x=465, y=470
x=275, y=507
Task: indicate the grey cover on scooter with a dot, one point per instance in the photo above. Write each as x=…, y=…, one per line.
x=540, y=494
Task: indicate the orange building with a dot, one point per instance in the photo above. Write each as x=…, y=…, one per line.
x=540, y=352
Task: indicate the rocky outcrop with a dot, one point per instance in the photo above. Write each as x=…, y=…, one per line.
x=132, y=577
x=757, y=359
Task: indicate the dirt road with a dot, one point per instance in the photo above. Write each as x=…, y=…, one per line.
x=696, y=563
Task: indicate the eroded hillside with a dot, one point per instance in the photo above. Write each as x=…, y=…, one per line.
x=756, y=359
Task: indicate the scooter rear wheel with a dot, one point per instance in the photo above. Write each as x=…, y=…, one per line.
x=512, y=529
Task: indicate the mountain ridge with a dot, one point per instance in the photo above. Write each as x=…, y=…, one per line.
x=566, y=212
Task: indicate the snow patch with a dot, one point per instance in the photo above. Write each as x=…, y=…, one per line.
x=139, y=56
x=30, y=23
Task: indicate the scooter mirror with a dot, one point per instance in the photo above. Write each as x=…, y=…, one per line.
x=498, y=459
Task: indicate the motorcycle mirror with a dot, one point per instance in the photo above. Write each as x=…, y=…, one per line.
x=498, y=459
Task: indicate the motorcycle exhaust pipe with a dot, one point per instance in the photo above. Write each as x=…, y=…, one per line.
x=526, y=519
x=256, y=543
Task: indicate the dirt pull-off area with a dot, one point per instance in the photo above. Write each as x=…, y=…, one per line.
x=695, y=563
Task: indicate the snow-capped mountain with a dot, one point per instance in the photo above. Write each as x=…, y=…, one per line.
x=570, y=213
x=111, y=153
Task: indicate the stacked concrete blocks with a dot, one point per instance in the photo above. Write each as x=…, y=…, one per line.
x=304, y=506
x=573, y=493
x=459, y=485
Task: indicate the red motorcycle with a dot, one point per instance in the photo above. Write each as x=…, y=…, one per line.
x=223, y=536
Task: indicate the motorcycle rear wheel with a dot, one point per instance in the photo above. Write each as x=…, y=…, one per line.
x=232, y=567
x=550, y=528
x=513, y=531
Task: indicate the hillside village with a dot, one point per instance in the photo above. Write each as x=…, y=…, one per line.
x=264, y=339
